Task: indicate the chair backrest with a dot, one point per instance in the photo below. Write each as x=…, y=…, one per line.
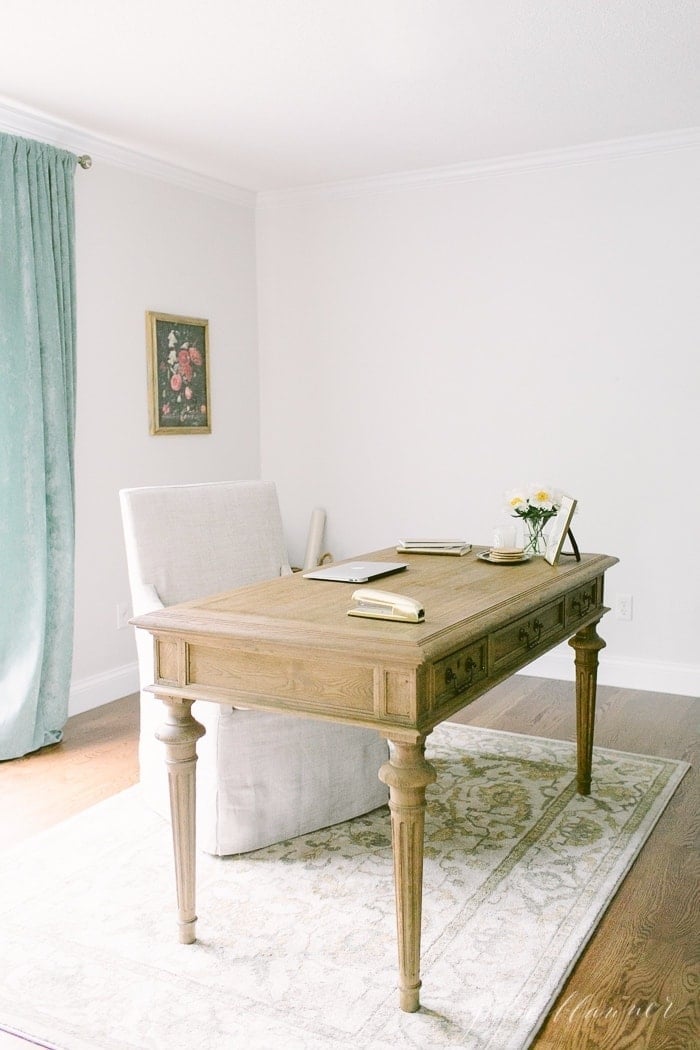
x=189, y=541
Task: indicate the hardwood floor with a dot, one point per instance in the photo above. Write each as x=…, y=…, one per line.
x=96, y=759
x=635, y=987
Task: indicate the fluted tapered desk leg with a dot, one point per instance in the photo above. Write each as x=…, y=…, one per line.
x=180, y=733
x=587, y=644
x=407, y=775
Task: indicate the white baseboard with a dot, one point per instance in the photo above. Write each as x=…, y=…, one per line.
x=680, y=679
x=650, y=675
x=103, y=688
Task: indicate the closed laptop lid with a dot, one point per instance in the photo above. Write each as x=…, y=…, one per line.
x=356, y=571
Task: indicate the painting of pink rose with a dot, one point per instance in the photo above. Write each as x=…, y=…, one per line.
x=178, y=374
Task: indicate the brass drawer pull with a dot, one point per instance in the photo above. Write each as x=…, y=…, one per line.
x=582, y=605
x=451, y=677
x=531, y=640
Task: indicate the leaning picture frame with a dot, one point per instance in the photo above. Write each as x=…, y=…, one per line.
x=178, y=374
x=558, y=529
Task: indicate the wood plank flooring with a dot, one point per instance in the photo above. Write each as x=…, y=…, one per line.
x=96, y=758
x=635, y=987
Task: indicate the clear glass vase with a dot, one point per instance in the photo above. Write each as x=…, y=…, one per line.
x=535, y=542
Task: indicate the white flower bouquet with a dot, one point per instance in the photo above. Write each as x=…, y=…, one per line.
x=535, y=505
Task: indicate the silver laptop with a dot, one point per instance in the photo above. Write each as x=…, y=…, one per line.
x=356, y=571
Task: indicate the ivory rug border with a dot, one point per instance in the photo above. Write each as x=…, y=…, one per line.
x=296, y=944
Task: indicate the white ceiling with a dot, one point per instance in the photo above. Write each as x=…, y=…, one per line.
x=275, y=94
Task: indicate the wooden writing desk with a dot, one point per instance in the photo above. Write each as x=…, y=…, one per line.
x=289, y=645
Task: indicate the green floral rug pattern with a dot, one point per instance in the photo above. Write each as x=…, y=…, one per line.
x=297, y=945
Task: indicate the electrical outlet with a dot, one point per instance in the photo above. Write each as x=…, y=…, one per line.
x=623, y=607
x=123, y=615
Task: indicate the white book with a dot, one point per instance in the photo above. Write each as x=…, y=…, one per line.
x=455, y=547
x=432, y=543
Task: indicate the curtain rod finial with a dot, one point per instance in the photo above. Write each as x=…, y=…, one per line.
x=85, y=161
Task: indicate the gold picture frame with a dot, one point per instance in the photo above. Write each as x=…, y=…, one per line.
x=558, y=529
x=178, y=374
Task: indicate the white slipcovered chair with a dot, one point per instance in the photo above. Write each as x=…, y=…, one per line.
x=261, y=777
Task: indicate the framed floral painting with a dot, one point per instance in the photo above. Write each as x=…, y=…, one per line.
x=178, y=374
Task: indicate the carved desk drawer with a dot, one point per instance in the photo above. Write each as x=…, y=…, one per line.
x=579, y=603
x=516, y=643
x=458, y=672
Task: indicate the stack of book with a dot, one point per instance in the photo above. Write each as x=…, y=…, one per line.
x=456, y=547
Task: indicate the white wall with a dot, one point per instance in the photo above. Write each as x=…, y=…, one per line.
x=146, y=244
x=425, y=348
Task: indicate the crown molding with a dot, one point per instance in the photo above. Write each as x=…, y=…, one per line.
x=16, y=120
x=517, y=164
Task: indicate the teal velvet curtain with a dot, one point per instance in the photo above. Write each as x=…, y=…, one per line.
x=37, y=424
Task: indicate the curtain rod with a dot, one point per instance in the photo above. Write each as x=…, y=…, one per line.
x=85, y=161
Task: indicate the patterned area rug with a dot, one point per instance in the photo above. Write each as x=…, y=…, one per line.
x=297, y=945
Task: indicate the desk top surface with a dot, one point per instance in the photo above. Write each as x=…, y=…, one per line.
x=460, y=596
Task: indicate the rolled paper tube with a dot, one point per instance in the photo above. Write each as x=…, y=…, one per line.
x=313, y=546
